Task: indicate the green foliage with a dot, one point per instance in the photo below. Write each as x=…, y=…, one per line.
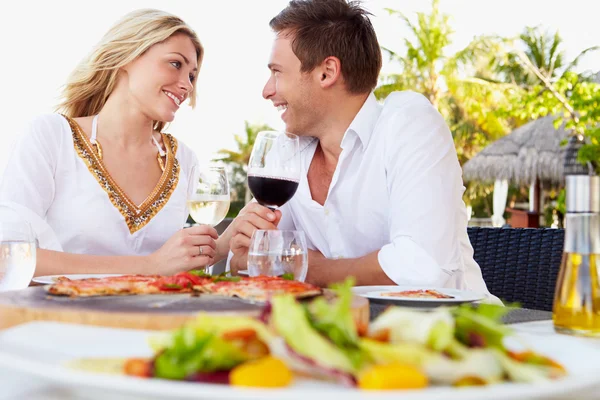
x=575, y=103
x=458, y=84
x=542, y=48
x=548, y=86
x=480, y=197
x=493, y=86
x=237, y=160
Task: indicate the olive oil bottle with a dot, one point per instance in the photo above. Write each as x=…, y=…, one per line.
x=577, y=297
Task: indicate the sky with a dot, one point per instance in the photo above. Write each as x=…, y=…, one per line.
x=42, y=42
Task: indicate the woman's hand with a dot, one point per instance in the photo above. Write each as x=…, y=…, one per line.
x=190, y=248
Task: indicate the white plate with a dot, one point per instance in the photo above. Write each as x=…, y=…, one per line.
x=40, y=349
x=50, y=279
x=374, y=294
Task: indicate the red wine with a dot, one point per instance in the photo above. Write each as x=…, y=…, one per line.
x=272, y=191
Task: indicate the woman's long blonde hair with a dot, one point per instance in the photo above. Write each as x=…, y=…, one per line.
x=93, y=80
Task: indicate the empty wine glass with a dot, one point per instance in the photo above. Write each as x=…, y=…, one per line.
x=17, y=251
x=278, y=253
x=274, y=168
x=210, y=199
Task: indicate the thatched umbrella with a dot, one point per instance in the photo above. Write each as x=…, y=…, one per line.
x=530, y=155
x=531, y=152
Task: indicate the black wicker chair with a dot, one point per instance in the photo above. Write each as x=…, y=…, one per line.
x=519, y=264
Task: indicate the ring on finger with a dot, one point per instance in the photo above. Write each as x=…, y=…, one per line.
x=200, y=250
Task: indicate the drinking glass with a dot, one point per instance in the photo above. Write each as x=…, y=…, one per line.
x=209, y=202
x=17, y=251
x=274, y=168
x=275, y=253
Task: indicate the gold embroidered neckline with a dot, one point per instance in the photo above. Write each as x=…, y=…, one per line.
x=136, y=217
x=159, y=158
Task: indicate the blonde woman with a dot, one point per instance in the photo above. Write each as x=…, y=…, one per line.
x=103, y=186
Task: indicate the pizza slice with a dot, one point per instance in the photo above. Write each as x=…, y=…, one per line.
x=259, y=288
x=418, y=294
x=110, y=286
x=125, y=285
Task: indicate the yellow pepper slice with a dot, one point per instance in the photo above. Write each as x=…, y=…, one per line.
x=264, y=372
x=392, y=376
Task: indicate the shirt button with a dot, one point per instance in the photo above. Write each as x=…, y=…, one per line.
x=326, y=212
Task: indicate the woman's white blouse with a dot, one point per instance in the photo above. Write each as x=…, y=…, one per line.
x=55, y=180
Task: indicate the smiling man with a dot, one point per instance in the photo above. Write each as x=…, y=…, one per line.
x=380, y=197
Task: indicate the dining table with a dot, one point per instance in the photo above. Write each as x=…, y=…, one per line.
x=17, y=386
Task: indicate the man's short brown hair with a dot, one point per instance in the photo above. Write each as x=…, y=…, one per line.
x=339, y=28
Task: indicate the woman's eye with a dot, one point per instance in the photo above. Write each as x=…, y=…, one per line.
x=176, y=64
x=192, y=78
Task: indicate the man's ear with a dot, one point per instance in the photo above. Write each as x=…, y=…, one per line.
x=330, y=71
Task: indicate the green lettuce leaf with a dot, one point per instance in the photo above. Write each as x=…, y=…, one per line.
x=191, y=350
x=334, y=320
x=481, y=325
x=290, y=320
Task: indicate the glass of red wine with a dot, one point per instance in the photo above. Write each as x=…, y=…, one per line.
x=274, y=168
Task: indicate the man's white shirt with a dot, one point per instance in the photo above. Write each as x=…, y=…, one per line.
x=397, y=190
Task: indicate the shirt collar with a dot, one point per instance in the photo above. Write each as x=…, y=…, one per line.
x=364, y=122
x=362, y=125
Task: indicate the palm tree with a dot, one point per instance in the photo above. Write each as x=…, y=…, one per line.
x=545, y=83
x=536, y=50
x=458, y=85
x=238, y=159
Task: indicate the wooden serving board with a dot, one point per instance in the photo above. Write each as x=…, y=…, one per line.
x=159, y=312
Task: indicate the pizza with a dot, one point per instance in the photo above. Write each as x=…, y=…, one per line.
x=118, y=285
x=259, y=288
x=418, y=294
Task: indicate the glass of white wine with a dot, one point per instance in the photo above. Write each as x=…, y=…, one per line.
x=209, y=202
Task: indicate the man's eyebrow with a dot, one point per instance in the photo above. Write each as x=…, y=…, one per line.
x=185, y=59
x=271, y=66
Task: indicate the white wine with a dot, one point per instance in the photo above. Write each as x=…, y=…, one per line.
x=208, y=209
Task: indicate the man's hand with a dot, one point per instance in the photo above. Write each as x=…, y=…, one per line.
x=251, y=218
